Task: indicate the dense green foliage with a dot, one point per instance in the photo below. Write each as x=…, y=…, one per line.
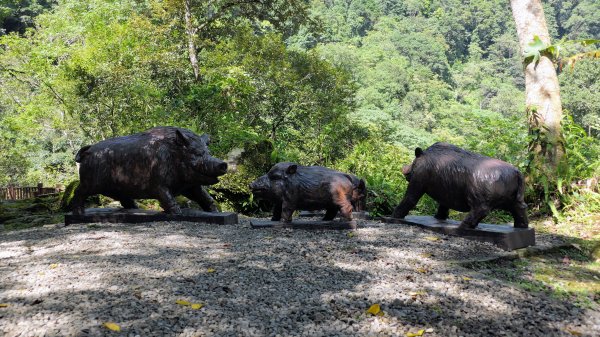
x=353, y=84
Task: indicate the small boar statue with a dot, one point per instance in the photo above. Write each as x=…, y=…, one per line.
x=291, y=187
x=159, y=163
x=464, y=181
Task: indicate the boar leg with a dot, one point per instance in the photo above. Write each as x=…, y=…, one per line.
x=199, y=195
x=128, y=203
x=330, y=214
x=168, y=202
x=474, y=217
x=287, y=210
x=411, y=198
x=78, y=200
x=344, y=202
x=276, y=212
x=346, y=210
x=442, y=212
x=519, y=213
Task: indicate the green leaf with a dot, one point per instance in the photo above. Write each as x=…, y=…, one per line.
x=534, y=50
x=587, y=42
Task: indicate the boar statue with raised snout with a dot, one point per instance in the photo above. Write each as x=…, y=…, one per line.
x=159, y=163
x=464, y=181
x=294, y=187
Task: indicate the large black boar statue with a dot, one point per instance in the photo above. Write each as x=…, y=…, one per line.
x=464, y=181
x=159, y=163
x=291, y=187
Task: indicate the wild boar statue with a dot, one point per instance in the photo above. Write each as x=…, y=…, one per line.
x=464, y=181
x=291, y=186
x=159, y=163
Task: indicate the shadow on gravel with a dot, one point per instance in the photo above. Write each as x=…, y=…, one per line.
x=260, y=283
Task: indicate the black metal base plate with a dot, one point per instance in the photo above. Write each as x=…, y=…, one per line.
x=320, y=214
x=120, y=215
x=304, y=224
x=506, y=237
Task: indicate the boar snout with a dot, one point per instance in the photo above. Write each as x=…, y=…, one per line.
x=222, y=168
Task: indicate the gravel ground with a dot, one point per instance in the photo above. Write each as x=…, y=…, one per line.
x=68, y=281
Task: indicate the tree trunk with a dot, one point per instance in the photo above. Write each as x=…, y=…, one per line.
x=541, y=88
x=191, y=33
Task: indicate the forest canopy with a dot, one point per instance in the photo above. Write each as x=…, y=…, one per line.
x=352, y=84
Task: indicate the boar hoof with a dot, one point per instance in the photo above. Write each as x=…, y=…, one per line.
x=174, y=210
x=464, y=225
x=521, y=225
x=397, y=215
x=78, y=211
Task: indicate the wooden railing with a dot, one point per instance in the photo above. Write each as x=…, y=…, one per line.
x=20, y=193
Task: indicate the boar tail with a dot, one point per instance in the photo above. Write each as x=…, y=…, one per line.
x=81, y=153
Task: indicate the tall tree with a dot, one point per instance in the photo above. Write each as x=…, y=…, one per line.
x=207, y=22
x=541, y=88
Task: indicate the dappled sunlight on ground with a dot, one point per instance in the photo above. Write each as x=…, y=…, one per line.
x=70, y=280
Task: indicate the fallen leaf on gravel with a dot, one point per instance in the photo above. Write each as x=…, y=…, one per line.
x=466, y=278
x=414, y=334
x=417, y=293
x=211, y=270
x=268, y=238
x=432, y=238
x=429, y=330
x=350, y=234
x=4, y=305
x=194, y=306
x=375, y=309
x=422, y=270
x=574, y=332
x=112, y=326
x=54, y=266
x=426, y=255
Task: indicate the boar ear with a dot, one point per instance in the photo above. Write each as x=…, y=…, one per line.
x=205, y=138
x=181, y=139
x=362, y=184
x=291, y=169
x=418, y=152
